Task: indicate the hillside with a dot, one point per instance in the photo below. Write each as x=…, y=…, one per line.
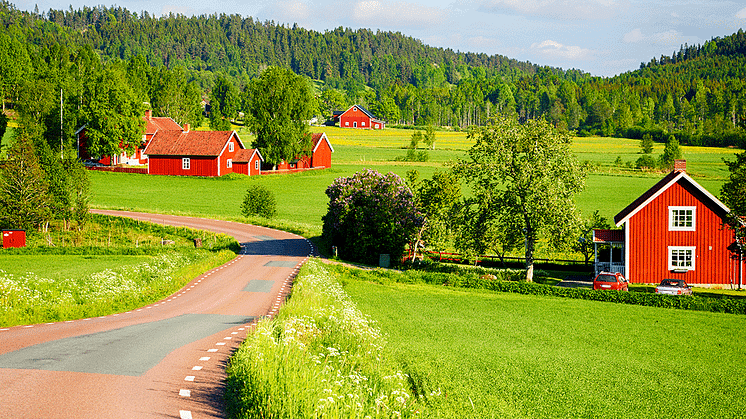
x=696, y=93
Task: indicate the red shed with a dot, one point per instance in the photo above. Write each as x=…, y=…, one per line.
x=321, y=155
x=248, y=161
x=193, y=153
x=674, y=230
x=359, y=117
x=14, y=238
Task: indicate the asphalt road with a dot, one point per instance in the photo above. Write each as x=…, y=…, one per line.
x=165, y=360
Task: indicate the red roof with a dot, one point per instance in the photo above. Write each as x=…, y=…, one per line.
x=244, y=155
x=608, y=236
x=192, y=143
x=317, y=137
x=660, y=187
x=158, y=123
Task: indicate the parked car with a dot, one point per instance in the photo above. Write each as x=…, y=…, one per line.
x=610, y=281
x=673, y=287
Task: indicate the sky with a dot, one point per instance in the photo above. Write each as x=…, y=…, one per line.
x=601, y=37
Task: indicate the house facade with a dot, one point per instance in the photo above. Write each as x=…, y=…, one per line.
x=676, y=230
x=153, y=125
x=359, y=117
x=193, y=153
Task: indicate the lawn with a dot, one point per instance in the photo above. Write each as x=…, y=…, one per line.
x=504, y=355
x=65, y=266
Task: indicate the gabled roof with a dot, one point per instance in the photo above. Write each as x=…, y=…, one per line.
x=317, y=139
x=160, y=123
x=660, y=187
x=192, y=143
x=608, y=236
x=246, y=154
x=365, y=111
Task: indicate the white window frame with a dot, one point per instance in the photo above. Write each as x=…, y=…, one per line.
x=354, y=124
x=363, y=123
x=673, y=217
x=186, y=163
x=678, y=251
x=229, y=163
x=256, y=164
x=347, y=123
x=230, y=147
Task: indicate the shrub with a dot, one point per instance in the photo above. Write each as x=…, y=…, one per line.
x=370, y=214
x=646, y=161
x=259, y=201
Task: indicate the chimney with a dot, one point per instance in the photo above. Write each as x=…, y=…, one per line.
x=679, y=166
x=149, y=114
x=186, y=128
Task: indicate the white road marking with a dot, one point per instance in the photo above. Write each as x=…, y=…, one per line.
x=220, y=343
x=189, y=378
x=212, y=350
x=196, y=368
x=185, y=414
x=185, y=393
x=205, y=358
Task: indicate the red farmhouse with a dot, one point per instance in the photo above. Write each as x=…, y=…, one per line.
x=359, y=117
x=152, y=127
x=321, y=155
x=674, y=230
x=248, y=161
x=193, y=153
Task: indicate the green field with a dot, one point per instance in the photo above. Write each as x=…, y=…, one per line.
x=65, y=266
x=504, y=355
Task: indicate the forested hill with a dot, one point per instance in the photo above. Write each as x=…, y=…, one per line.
x=698, y=93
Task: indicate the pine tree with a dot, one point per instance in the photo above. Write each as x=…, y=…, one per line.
x=24, y=199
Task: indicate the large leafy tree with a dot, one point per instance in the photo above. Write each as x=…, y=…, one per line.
x=113, y=115
x=733, y=194
x=224, y=104
x=173, y=96
x=24, y=201
x=530, y=175
x=277, y=106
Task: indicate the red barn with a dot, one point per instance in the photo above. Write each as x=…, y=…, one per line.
x=153, y=126
x=193, y=153
x=358, y=117
x=674, y=230
x=321, y=155
x=248, y=161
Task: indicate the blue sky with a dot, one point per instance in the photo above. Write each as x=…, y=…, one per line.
x=602, y=37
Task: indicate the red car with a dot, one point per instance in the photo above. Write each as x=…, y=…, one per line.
x=610, y=281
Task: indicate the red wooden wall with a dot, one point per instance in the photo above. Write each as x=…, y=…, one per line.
x=649, y=238
x=355, y=115
x=171, y=165
x=323, y=155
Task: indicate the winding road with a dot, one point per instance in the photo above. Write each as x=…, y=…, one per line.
x=165, y=360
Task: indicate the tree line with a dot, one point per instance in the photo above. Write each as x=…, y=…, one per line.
x=696, y=94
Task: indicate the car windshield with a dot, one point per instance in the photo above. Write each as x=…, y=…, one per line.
x=606, y=278
x=672, y=283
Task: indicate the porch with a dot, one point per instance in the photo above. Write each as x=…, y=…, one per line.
x=608, y=249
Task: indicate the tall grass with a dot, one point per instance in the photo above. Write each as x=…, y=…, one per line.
x=320, y=357
x=29, y=298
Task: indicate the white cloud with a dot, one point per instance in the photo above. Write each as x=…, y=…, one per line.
x=398, y=14
x=670, y=37
x=635, y=35
x=289, y=11
x=741, y=14
x=553, y=49
x=559, y=9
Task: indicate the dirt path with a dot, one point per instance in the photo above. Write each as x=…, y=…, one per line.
x=165, y=360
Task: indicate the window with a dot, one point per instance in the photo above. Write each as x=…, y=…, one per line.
x=185, y=163
x=354, y=125
x=229, y=163
x=681, y=258
x=682, y=218
x=256, y=164
x=354, y=109
x=347, y=123
x=363, y=123
x=230, y=146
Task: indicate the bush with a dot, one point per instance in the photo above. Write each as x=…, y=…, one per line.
x=646, y=161
x=370, y=214
x=259, y=201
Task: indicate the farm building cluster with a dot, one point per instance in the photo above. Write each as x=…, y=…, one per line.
x=170, y=149
x=676, y=229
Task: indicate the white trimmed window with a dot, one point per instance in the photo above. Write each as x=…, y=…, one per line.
x=230, y=147
x=363, y=123
x=256, y=164
x=229, y=163
x=354, y=124
x=681, y=258
x=682, y=218
x=185, y=163
x=347, y=123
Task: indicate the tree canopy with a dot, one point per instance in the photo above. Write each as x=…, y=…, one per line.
x=527, y=176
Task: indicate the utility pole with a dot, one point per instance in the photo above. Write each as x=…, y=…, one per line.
x=62, y=156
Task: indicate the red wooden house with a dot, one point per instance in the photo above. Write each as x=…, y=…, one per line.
x=248, y=161
x=193, y=153
x=674, y=230
x=358, y=117
x=153, y=126
x=321, y=155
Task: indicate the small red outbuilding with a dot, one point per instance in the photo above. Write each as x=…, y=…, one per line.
x=193, y=153
x=248, y=161
x=321, y=155
x=359, y=117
